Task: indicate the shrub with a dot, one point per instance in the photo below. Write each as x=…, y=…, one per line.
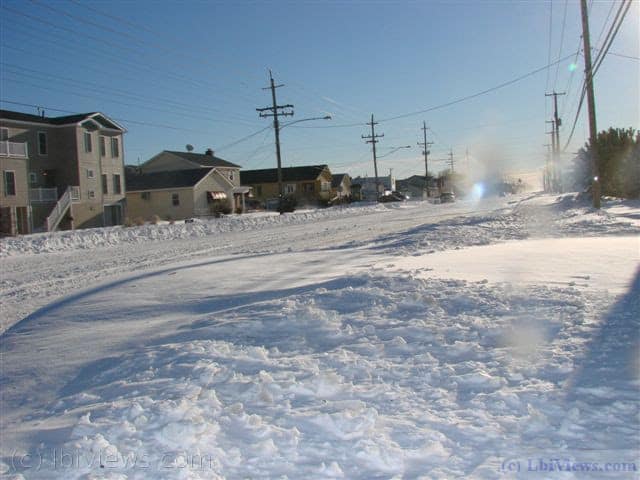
x=127, y=223
x=139, y=221
x=219, y=208
x=155, y=219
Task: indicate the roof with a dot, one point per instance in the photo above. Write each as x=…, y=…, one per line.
x=337, y=179
x=289, y=174
x=164, y=180
x=202, y=159
x=57, y=121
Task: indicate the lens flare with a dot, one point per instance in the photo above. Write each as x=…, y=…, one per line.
x=477, y=192
x=572, y=67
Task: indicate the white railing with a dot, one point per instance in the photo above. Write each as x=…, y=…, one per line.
x=13, y=149
x=43, y=195
x=58, y=212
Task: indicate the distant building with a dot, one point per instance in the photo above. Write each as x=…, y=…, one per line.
x=60, y=172
x=368, y=186
x=414, y=187
x=309, y=185
x=340, y=187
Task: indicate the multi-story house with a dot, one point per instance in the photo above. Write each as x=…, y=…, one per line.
x=60, y=172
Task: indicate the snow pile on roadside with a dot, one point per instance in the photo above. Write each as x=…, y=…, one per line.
x=374, y=377
x=109, y=236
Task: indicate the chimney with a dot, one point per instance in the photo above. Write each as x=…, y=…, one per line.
x=209, y=152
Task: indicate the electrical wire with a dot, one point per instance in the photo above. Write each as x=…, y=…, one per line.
x=478, y=94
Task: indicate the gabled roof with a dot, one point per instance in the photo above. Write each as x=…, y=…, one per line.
x=289, y=174
x=337, y=179
x=165, y=180
x=202, y=159
x=98, y=117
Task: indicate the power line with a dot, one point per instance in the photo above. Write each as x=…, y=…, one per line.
x=611, y=35
x=564, y=21
x=550, y=43
x=117, y=102
x=102, y=41
x=478, y=94
x=121, y=93
x=135, y=122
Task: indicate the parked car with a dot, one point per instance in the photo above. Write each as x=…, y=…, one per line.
x=392, y=197
x=447, y=197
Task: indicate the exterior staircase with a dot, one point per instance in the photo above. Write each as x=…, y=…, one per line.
x=62, y=207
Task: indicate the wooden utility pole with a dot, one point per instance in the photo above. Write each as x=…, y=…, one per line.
x=372, y=139
x=276, y=110
x=591, y=105
x=425, y=145
x=557, y=122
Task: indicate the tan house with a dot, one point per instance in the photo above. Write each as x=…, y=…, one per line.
x=60, y=172
x=177, y=185
x=310, y=185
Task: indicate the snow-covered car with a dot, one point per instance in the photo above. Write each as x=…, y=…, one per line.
x=393, y=197
x=447, y=197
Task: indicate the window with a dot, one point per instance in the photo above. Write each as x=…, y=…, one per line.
x=90, y=173
x=4, y=134
x=231, y=175
x=42, y=143
x=103, y=147
x=290, y=188
x=33, y=178
x=325, y=186
x=115, y=150
x=145, y=196
x=9, y=183
x=92, y=194
x=175, y=199
x=105, y=186
x=87, y=142
x=308, y=187
x=117, y=186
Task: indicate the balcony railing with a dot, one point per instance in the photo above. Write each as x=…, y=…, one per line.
x=43, y=195
x=13, y=149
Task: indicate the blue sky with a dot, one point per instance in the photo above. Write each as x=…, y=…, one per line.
x=199, y=68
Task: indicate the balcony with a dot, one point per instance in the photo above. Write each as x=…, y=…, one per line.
x=43, y=195
x=13, y=149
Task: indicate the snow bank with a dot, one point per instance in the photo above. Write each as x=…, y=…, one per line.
x=110, y=236
x=387, y=377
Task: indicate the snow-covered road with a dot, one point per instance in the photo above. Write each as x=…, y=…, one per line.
x=363, y=343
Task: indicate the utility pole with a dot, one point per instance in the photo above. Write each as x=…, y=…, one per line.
x=372, y=140
x=276, y=110
x=545, y=178
x=425, y=145
x=591, y=105
x=451, y=162
x=554, y=146
x=557, y=122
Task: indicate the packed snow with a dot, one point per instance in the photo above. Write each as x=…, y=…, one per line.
x=491, y=339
